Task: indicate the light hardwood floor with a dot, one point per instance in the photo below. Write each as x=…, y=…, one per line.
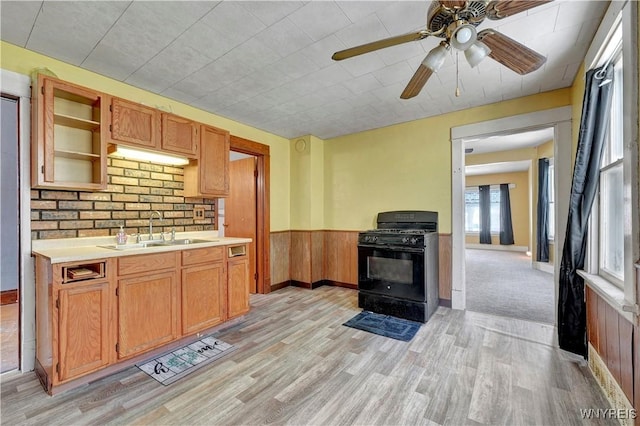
x=296, y=364
x=9, y=337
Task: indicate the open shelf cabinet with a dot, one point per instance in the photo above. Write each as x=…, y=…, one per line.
x=69, y=143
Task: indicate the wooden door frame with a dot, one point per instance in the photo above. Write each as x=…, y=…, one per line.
x=261, y=152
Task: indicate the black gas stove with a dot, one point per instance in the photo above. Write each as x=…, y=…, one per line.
x=398, y=265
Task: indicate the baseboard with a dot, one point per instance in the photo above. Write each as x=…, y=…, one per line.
x=340, y=284
x=8, y=297
x=445, y=302
x=312, y=286
x=610, y=387
x=276, y=287
x=308, y=286
x=544, y=267
x=497, y=247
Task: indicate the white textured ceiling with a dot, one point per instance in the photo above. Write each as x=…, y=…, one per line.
x=495, y=168
x=268, y=63
x=511, y=141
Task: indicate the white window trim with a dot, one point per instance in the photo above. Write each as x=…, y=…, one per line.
x=624, y=300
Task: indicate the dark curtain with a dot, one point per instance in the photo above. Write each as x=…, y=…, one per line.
x=542, y=251
x=596, y=107
x=506, y=228
x=485, y=214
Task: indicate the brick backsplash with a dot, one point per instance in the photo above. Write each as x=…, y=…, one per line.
x=135, y=189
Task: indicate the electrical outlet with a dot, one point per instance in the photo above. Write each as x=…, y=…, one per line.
x=198, y=213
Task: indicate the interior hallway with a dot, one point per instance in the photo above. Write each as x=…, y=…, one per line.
x=504, y=283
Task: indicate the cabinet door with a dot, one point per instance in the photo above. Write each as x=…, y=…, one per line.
x=69, y=150
x=238, y=286
x=83, y=332
x=147, y=312
x=134, y=124
x=209, y=176
x=179, y=135
x=202, y=297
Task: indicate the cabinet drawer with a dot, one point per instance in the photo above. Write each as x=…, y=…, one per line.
x=202, y=255
x=146, y=262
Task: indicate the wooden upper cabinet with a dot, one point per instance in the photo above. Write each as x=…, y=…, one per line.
x=209, y=175
x=69, y=149
x=179, y=135
x=134, y=125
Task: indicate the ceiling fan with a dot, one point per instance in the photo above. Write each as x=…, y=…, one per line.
x=455, y=21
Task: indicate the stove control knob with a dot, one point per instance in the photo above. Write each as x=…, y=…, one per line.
x=374, y=238
x=414, y=240
x=367, y=238
x=405, y=239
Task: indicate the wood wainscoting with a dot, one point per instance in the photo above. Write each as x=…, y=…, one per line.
x=310, y=259
x=612, y=337
x=280, y=259
x=8, y=297
x=444, y=271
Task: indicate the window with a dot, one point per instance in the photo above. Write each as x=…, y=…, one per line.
x=551, y=223
x=472, y=209
x=611, y=201
x=614, y=237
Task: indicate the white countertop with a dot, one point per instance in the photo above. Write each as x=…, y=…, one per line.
x=88, y=248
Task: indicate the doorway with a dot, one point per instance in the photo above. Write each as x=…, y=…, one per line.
x=238, y=212
x=9, y=235
x=500, y=278
x=560, y=120
x=261, y=159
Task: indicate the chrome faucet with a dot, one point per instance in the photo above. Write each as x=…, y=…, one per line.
x=151, y=222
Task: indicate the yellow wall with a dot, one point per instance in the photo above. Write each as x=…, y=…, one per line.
x=24, y=61
x=406, y=166
x=520, y=209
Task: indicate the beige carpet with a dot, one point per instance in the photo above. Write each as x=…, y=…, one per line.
x=504, y=283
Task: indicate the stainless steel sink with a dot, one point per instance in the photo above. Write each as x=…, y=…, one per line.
x=185, y=241
x=145, y=244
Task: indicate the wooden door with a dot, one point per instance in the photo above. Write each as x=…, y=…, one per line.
x=147, y=312
x=238, y=286
x=202, y=297
x=134, y=124
x=240, y=209
x=83, y=330
x=179, y=135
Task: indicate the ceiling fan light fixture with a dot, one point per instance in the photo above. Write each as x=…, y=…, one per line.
x=436, y=56
x=463, y=35
x=476, y=53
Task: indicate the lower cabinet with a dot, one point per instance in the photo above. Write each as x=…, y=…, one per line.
x=203, y=289
x=147, y=312
x=98, y=313
x=202, y=297
x=84, y=335
x=238, y=285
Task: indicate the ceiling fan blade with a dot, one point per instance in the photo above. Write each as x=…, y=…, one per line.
x=510, y=53
x=498, y=9
x=417, y=82
x=377, y=45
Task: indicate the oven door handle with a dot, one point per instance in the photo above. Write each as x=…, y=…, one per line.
x=393, y=248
